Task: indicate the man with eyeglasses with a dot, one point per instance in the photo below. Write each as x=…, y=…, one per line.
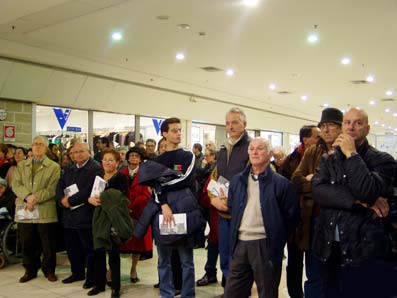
x=34, y=183
x=73, y=191
x=330, y=128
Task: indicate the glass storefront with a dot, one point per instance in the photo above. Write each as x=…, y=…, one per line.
x=293, y=142
x=61, y=125
x=275, y=138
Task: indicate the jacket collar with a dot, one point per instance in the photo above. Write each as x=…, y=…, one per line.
x=262, y=177
x=363, y=148
x=46, y=162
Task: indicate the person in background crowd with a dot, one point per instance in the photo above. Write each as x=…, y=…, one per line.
x=211, y=215
x=138, y=196
x=278, y=158
x=308, y=136
x=161, y=146
x=265, y=210
x=118, y=181
x=10, y=154
x=352, y=187
x=210, y=145
x=34, y=183
x=54, y=153
x=19, y=155
x=123, y=162
x=150, y=149
x=232, y=159
x=29, y=153
x=330, y=127
x=4, y=164
x=197, y=150
x=7, y=200
x=101, y=145
x=77, y=214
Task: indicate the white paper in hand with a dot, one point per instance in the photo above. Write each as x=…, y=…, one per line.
x=180, y=226
x=98, y=187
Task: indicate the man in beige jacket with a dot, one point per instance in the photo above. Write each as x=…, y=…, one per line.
x=35, y=181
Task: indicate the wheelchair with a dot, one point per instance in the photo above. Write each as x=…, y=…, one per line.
x=9, y=239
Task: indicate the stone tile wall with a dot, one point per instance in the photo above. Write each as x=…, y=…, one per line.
x=19, y=114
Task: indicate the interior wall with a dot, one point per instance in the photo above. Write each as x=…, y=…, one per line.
x=44, y=85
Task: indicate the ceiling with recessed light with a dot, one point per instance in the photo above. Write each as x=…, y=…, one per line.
x=264, y=53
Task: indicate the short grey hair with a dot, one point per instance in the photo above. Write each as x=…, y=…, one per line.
x=43, y=139
x=86, y=145
x=278, y=149
x=238, y=111
x=268, y=145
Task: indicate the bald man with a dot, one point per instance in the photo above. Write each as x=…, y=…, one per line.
x=351, y=187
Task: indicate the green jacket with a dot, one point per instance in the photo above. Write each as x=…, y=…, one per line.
x=43, y=187
x=113, y=212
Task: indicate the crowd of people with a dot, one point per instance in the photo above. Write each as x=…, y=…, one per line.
x=330, y=202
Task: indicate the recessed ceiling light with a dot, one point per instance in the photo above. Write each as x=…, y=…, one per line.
x=387, y=110
x=180, y=56
x=376, y=122
x=389, y=92
x=312, y=38
x=250, y=2
x=383, y=125
x=343, y=111
x=370, y=79
x=345, y=61
x=117, y=36
x=326, y=105
x=272, y=86
x=304, y=97
x=395, y=114
x=372, y=102
x=230, y=72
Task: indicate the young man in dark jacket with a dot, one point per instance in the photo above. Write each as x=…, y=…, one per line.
x=77, y=213
x=181, y=160
x=351, y=187
x=264, y=208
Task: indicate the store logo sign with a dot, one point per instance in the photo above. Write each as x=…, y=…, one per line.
x=157, y=124
x=62, y=116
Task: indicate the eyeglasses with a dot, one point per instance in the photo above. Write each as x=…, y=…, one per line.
x=38, y=144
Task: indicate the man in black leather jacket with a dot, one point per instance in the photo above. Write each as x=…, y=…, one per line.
x=352, y=186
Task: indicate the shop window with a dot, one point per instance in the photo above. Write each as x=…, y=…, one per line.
x=275, y=138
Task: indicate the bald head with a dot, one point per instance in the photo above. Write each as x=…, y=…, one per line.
x=355, y=124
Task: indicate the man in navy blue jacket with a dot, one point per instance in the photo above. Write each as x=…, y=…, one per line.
x=264, y=208
x=77, y=213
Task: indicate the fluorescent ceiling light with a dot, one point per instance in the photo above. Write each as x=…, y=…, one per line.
x=272, y=86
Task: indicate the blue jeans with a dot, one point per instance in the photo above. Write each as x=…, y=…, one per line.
x=165, y=273
x=223, y=244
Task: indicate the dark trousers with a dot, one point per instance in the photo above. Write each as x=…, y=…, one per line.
x=176, y=268
x=100, y=267
x=37, y=239
x=294, y=270
x=212, y=259
x=251, y=263
x=79, y=247
x=368, y=279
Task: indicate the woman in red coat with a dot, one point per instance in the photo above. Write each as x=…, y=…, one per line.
x=138, y=196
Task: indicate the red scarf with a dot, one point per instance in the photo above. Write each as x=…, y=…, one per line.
x=3, y=161
x=301, y=150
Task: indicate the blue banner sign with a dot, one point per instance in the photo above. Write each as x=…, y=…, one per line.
x=62, y=116
x=157, y=124
x=73, y=128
